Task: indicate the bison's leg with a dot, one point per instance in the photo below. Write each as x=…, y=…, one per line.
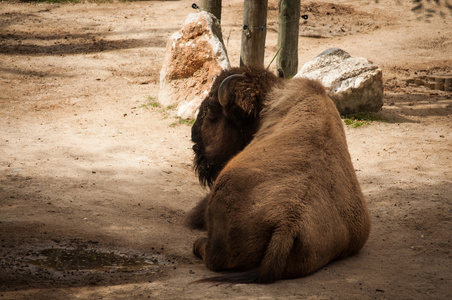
x=215, y=258
x=199, y=248
x=197, y=217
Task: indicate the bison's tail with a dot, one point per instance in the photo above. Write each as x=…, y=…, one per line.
x=277, y=254
x=273, y=264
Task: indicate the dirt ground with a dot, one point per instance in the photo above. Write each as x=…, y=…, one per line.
x=95, y=182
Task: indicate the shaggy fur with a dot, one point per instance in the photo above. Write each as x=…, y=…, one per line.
x=219, y=133
x=288, y=201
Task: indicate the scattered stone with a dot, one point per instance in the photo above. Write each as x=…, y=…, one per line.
x=354, y=84
x=195, y=55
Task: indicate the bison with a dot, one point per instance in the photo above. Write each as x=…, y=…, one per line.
x=284, y=198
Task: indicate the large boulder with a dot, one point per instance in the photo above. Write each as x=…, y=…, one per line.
x=195, y=55
x=354, y=84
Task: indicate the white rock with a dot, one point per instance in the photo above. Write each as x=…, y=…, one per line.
x=195, y=55
x=354, y=84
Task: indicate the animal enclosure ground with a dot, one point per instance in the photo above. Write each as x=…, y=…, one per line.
x=95, y=182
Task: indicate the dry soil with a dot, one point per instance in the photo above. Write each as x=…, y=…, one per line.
x=95, y=182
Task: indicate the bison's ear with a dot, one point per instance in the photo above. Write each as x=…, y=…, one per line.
x=224, y=91
x=280, y=73
x=236, y=110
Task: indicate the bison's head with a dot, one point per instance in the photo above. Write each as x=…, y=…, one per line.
x=228, y=118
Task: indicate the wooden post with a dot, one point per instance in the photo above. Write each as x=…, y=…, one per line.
x=288, y=27
x=439, y=83
x=212, y=6
x=254, y=31
x=448, y=84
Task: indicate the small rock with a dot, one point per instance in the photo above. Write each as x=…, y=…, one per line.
x=354, y=84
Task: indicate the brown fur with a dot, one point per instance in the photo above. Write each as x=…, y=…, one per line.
x=290, y=201
x=219, y=133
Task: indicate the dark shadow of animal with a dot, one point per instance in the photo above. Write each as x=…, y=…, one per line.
x=284, y=199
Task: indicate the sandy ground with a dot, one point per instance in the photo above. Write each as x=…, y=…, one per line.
x=92, y=176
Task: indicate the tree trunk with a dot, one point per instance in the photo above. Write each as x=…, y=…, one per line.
x=212, y=6
x=288, y=26
x=254, y=31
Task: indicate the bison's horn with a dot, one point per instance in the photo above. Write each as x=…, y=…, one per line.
x=223, y=89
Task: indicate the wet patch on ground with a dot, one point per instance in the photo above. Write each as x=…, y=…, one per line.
x=76, y=266
x=92, y=259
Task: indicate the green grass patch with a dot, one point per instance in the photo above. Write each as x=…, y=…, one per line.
x=75, y=1
x=361, y=119
x=52, y=1
x=180, y=121
x=151, y=102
